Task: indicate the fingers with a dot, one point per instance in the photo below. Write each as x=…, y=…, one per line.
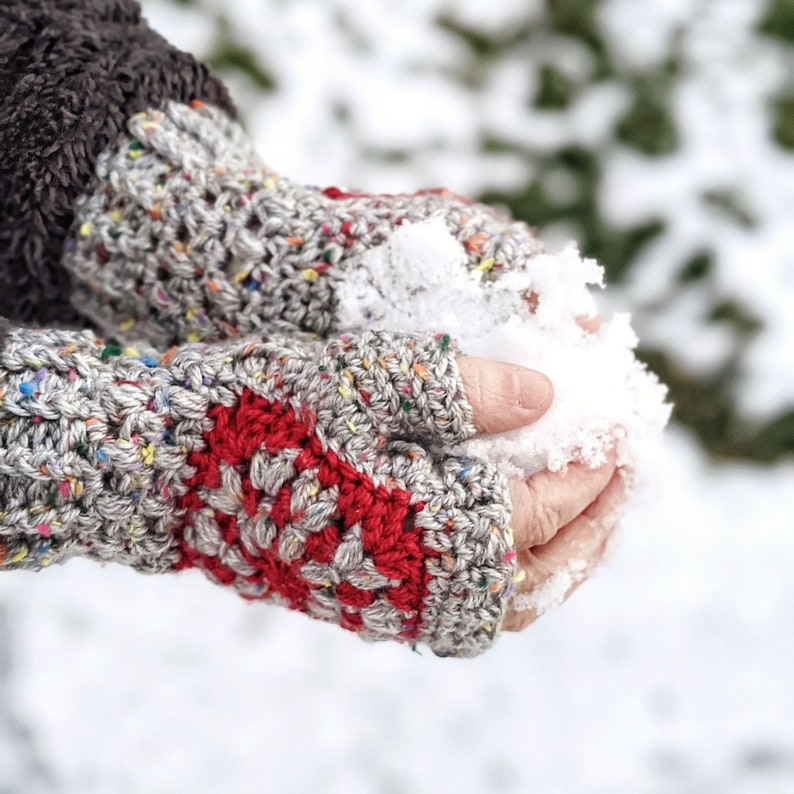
x=553, y=571
x=590, y=324
x=584, y=536
x=503, y=396
x=548, y=500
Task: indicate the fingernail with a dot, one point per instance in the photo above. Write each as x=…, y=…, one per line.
x=536, y=391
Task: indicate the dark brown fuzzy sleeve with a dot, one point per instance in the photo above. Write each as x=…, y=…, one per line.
x=71, y=73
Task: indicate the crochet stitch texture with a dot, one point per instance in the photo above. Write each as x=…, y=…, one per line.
x=71, y=74
x=289, y=472
x=228, y=424
x=188, y=236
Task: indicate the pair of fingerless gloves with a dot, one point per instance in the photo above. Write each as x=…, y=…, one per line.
x=227, y=422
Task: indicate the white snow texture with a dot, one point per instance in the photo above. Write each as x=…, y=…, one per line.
x=417, y=281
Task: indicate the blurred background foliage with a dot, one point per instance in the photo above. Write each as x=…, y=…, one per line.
x=704, y=398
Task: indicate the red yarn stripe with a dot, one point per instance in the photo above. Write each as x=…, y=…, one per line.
x=341, y=195
x=386, y=517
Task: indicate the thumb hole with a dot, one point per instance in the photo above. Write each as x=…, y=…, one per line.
x=503, y=396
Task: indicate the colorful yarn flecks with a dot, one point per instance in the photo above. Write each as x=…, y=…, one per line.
x=74, y=425
x=188, y=237
x=281, y=469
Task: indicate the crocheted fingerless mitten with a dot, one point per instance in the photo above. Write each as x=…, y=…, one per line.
x=306, y=473
x=187, y=236
x=290, y=472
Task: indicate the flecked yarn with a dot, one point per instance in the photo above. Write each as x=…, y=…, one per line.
x=188, y=237
x=227, y=422
x=301, y=473
x=72, y=72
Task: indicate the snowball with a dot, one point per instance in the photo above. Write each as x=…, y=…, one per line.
x=417, y=281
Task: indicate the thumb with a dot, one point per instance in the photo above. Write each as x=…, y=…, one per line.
x=503, y=396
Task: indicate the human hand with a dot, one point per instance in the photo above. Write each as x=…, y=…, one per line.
x=561, y=521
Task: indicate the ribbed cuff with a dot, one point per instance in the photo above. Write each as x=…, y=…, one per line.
x=470, y=561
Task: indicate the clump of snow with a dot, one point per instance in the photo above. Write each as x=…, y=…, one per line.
x=417, y=281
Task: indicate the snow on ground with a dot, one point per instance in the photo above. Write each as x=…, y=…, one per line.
x=721, y=109
x=668, y=672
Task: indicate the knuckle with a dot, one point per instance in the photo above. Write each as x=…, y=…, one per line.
x=547, y=522
x=543, y=516
x=473, y=387
x=520, y=520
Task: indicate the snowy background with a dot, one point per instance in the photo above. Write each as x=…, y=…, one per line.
x=660, y=135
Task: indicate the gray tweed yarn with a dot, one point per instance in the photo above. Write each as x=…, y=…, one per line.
x=100, y=447
x=188, y=237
